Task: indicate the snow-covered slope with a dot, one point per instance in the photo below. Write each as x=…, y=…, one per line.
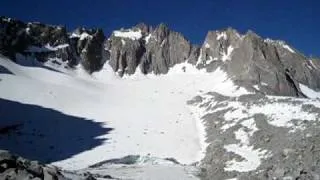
x=74, y=120
x=148, y=114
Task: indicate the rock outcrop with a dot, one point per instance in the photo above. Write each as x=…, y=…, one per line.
x=151, y=49
x=250, y=60
x=248, y=138
x=46, y=41
x=14, y=167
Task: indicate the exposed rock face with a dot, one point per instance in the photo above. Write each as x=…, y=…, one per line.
x=93, y=54
x=12, y=37
x=126, y=52
x=14, y=167
x=250, y=60
x=249, y=139
x=165, y=49
x=153, y=50
x=46, y=41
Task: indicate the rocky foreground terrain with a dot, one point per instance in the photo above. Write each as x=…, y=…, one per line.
x=256, y=100
x=15, y=168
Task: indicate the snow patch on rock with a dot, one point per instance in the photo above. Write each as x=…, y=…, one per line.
x=280, y=43
x=227, y=55
x=252, y=158
x=46, y=48
x=211, y=59
x=130, y=34
x=147, y=38
x=81, y=36
x=310, y=93
x=123, y=42
x=221, y=35
x=288, y=48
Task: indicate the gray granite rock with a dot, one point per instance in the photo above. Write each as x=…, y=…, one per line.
x=250, y=60
x=33, y=39
x=18, y=168
x=156, y=51
x=13, y=167
x=287, y=151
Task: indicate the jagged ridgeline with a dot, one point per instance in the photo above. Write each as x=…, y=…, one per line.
x=251, y=61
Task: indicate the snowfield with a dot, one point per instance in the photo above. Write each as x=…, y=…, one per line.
x=152, y=116
x=148, y=114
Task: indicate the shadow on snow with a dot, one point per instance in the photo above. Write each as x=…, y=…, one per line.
x=44, y=134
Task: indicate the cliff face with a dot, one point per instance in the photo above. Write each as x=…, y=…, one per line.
x=272, y=66
x=153, y=50
x=46, y=41
x=260, y=65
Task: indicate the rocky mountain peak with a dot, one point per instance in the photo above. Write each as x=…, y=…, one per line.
x=155, y=51
x=145, y=29
x=263, y=65
x=161, y=32
x=47, y=42
x=252, y=61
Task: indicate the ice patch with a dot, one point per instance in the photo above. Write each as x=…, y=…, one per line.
x=28, y=30
x=221, y=35
x=312, y=64
x=252, y=158
x=310, y=93
x=130, y=34
x=147, y=38
x=250, y=124
x=123, y=42
x=282, y=118
x=199, y=58
x=163, y=42
x=288, y=48
x=6, y=19
x=227, y=56
x=74, y=35
x=54, y=48
x=84, y=36
x=46, y=48
x=210, y=60
x=281, y=43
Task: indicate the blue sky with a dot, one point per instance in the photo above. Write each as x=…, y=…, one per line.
x=297, y=22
